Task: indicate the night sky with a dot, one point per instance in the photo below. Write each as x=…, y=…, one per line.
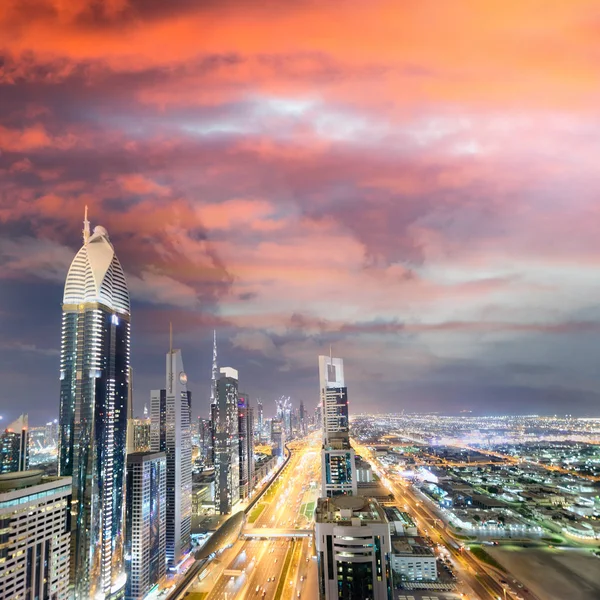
x=413, y=182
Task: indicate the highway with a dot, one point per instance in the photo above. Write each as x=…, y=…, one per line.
x=254, y=568
x=474, y=575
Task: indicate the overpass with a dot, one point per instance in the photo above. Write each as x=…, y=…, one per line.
x=269, y=533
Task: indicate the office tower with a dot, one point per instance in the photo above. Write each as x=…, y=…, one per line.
x=141, y=435
x=277, y=437
x=51, y=434
x=302, y=418
x=14, y=446
x=243, y=433
x=145, y=522
x=35, y=540
x=250, y=450
x=213, y=400
x=260, y=424
x=171, y=433
x=205, y=440
x=353, y=544
x=338, y=471
x=227, y=445
x=94, y=384
x=284, y=414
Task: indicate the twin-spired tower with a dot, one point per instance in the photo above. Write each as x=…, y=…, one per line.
x=94, y=384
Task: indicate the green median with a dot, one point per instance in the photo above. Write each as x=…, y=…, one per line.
x=256, y=512
x=480, y=554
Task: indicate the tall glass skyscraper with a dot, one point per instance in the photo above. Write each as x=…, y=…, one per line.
x=94, y=383
x=170, y=432
x=338, y=468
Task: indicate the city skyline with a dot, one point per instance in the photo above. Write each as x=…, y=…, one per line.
x=425, y=206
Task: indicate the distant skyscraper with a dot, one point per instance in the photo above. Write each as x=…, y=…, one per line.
x=171, y=433
x=205, y=440
x=226, y=449
x=215, y=372
x=277, y=437
x=14, y=446
x=246, y=436
x=35, y=540
x=260, y=423
x=302, y=416
x=250, y=444
x=94, y=384
x=145, y=542
x=338, y=470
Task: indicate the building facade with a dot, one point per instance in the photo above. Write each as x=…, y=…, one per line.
x=353, y=544
x=145, y=520
x=246, y=439
x=226, y=442
x=170, y=415
x=36, y=536
x=277, y=437
x=94, y=384
x=14, y=446
x=338, y=460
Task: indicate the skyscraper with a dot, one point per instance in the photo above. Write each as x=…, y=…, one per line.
x=243, y=432
x=277, y=437
x=205, y=440
x=171, y=433
x=302, y=416
x=145, y=541
x=260, y=423
x=94, y=383
x=227, y=443
x=338, y=469
x=246, y=437
x=352, y=533
x=14, y=446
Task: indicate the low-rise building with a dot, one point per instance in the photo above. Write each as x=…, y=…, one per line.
x=413, y=562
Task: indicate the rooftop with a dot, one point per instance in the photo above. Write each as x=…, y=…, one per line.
x=346, y=510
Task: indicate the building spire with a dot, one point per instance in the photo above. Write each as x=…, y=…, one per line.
x=86, y=227
x=215, y=371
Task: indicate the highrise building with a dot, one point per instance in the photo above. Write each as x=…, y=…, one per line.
x=51, y=434
x=277, y=437
x=352, y=533
x=250, y=451
x=226, y=444
x=353, y=544
x=205, y=440
x=244, y=431
x=260, y=423
x=94, y=384
x=145, y=522
x=36, y=539
x=141, y=435
x=171, y=433
x=14, y=446
x=213, y=401
x=302, y=418
x=246, y=435
x=338, y=470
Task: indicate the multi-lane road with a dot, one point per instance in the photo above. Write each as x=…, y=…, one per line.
x=474, y=575
x=277, y=567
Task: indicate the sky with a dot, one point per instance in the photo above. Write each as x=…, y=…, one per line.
x=414, y=184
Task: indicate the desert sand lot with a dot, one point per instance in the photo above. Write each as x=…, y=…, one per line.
x=553, y=574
